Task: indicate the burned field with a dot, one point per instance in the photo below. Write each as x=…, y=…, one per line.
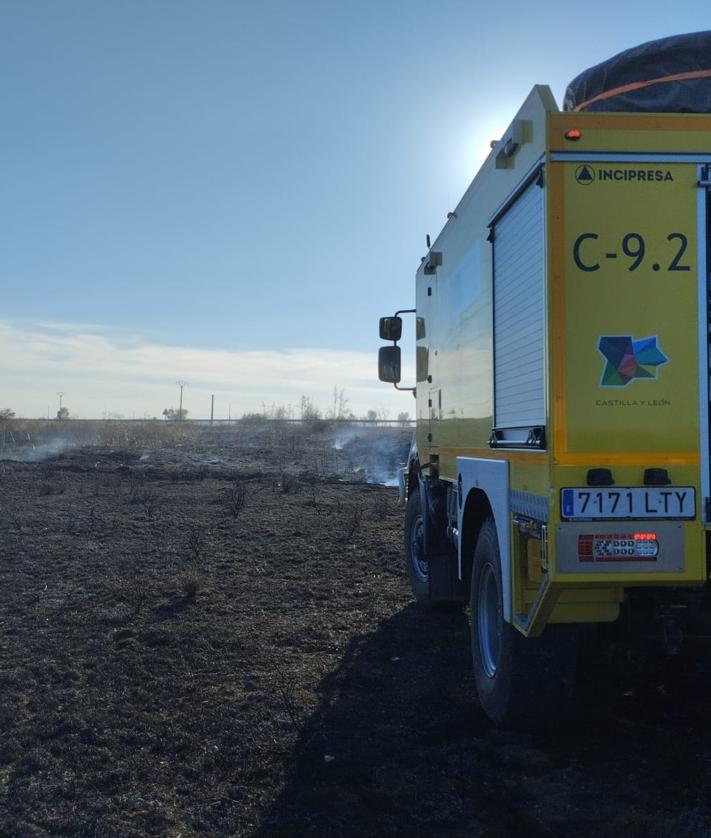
x=210, y=632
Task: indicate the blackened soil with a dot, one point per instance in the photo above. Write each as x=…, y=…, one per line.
x=193, y=644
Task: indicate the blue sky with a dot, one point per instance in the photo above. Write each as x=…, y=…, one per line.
x=208, y=183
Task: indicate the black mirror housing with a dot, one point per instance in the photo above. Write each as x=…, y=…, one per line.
x=389, y=363
x=390, y=328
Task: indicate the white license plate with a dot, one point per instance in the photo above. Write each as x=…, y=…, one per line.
x=591, y=503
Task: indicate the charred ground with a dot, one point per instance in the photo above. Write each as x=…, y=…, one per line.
x=210, y=632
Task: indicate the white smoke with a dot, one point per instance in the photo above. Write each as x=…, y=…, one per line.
x=27, y=451
x=376, y=452
x=344, y=436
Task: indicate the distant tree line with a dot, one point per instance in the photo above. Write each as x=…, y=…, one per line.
x=307, y=411
x=338, y=410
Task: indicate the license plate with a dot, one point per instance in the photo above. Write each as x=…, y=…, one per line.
x=588, y=504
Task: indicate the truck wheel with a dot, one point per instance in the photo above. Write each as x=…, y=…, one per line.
x=417, y=568
x=523, y=683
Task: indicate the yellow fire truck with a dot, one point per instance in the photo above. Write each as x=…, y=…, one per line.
x=561, y=471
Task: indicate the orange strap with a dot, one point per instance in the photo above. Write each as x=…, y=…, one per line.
x=638, y=85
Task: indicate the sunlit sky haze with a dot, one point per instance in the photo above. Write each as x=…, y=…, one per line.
x=231, y=193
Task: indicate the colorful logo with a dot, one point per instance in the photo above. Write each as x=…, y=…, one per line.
x=627, y=359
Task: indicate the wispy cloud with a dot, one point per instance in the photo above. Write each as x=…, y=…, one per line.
x=103, y=370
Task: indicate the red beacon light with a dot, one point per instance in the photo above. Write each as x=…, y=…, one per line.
x=573, y=134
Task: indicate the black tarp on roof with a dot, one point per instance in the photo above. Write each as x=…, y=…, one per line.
x=648, y=67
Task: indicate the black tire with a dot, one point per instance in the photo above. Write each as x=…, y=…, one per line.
x=523, y=683
x=417, y=568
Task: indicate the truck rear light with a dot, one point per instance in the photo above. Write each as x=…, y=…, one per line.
x=573, y=134
x=613, y=547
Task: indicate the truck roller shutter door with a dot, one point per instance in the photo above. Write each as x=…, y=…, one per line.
x=519, y=317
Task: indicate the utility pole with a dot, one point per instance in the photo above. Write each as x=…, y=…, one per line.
x=181, y=384
x=61, y=395
x=212, y=408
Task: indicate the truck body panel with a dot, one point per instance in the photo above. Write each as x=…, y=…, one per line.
x=454, y=304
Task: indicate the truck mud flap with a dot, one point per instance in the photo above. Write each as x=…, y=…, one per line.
x=445, y=586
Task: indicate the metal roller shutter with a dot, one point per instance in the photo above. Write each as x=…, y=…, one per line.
x=519, y=313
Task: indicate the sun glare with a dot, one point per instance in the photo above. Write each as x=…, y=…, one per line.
x=474, y=144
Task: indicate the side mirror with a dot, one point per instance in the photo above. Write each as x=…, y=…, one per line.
x=389, y=363
x=390, y=329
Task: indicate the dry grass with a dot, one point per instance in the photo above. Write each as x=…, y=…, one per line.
x=236, y=496
x=191, y=583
